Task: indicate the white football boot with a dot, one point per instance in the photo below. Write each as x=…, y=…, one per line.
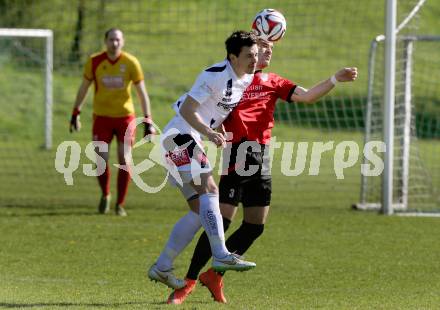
x=166, y=277
x=231, y=262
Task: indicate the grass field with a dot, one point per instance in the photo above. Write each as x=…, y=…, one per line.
x=309, y=257
x=315, y=253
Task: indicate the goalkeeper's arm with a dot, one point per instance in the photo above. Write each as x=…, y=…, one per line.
x=146, y=109
x=319, y=90
x=81, y=94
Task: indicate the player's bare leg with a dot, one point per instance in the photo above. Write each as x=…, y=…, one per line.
x=256, y=215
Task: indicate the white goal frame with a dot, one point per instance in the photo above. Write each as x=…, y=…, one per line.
x=399, y=203
x=388, y=203
x=46, y=34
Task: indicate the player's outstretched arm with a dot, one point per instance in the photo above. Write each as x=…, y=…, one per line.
x=81, y=94
x=321, y=89
x=188, y=110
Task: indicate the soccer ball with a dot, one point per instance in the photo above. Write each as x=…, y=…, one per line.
x=269, y=25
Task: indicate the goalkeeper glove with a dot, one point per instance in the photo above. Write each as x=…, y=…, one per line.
x=74, y=120
x=148, y=128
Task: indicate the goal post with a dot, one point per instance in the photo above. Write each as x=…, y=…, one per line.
x=409, y=166
x=390, y=63
x=401, y=111
x=47, y=35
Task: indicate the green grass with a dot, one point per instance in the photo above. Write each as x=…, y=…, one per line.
x=315, y=253
x=309, y=257
x=174, y=39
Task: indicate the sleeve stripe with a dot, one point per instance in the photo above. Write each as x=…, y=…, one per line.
x=216, y=69
x=290, y=93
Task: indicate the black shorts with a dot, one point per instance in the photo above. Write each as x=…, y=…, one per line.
x=251, y=190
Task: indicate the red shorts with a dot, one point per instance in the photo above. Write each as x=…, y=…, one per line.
x=105, y=127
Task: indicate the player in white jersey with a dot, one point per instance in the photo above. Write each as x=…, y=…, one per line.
x=199, y=113
x=218, y=90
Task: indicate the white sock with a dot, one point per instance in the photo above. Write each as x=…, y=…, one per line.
x=212, y=222
x=181, y=235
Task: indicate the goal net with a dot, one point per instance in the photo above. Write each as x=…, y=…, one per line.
x=26, y=64
x=29, y=52
x=416, y=169
x=416, y=176
x=174, y=40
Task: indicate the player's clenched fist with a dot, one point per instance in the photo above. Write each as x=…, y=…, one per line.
x=216, y=137
x=346, y=74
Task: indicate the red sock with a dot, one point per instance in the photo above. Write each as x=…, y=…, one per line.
x=123, y=180
x=104, y=181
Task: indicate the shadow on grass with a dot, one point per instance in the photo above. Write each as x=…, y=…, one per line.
x=40, y=211
x=74, y=304
x=91, y=213
x=45, y=207
x=71, y=304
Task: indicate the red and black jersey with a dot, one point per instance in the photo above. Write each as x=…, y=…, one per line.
x=253, y=119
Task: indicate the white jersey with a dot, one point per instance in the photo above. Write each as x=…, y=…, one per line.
x=218, y=90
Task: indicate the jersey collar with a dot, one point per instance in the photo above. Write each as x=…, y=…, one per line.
x=113, y=61
x=231, y=70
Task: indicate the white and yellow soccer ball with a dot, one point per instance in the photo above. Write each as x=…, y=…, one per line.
x=269, y=25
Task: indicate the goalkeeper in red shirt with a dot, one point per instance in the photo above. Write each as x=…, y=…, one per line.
x=251, y=122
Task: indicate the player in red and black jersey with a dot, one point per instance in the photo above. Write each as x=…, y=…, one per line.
x=251, y=123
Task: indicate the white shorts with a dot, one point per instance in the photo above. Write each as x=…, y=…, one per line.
x=184, y=156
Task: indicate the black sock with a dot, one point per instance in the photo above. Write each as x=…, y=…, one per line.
x=243, y=237
x=202, y=253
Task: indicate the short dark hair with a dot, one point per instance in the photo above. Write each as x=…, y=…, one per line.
x=237, y=40
x=111, y=30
